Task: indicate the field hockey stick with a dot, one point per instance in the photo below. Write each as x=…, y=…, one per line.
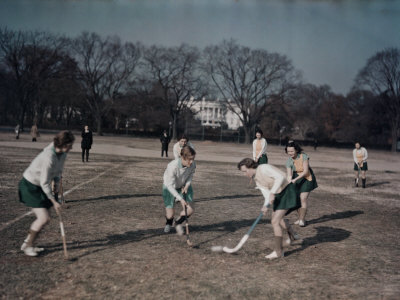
x=62, y=192
x=242, y=241
x=63, y=235
x=187, y=229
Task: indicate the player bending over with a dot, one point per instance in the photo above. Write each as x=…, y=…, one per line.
x=279, y=194
x=177, y=186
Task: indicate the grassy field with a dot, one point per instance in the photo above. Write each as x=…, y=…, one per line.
x=114, y=221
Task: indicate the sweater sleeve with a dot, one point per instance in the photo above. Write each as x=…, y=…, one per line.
x=365, y=155
x=170, y=180
x=254, y=150
x=177, y=151
x=264, y=148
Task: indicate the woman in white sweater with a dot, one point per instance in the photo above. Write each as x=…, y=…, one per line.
x=35, y=189
x=177, y=186
x=360, y=156
x=279, y=194
x=260, y=148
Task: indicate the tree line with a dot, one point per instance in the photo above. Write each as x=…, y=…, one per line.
x=58, y=82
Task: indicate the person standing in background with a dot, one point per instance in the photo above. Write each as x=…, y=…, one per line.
x=164, y=139
x=260, y=148
x=86, y=144
x=34, y=132
x=360, y=156
x=17, y=131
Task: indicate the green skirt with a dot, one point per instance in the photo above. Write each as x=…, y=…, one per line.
x=287, y=199
x=303, y=185
x=32, y=195
x=169, y=199
x=263, y=159
x=363, y=168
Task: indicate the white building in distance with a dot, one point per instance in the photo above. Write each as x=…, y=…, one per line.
x=213, y=112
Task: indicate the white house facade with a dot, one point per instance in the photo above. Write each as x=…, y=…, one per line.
x=213, y=112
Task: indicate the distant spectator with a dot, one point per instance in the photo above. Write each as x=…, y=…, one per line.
x=164, y=139
x=360, y=156
x=86, y=144
x=34, y=132
x=315, y=144
x=17, y=131
x=260, y=148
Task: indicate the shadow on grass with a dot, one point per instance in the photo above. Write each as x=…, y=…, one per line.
x=114, y=197
x=144, y=234
x=226, y=197
x=336, y=216
x=377, y=183
x=324, y=235
x=125, y=196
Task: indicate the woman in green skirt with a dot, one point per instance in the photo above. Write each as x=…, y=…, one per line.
x=35, y=189
x=177, y=186
x=301, y=175
x=260, y=148
x=279, y=194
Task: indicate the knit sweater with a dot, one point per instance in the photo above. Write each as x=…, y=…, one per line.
x=47, y=166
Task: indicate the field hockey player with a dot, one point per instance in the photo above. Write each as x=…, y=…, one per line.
x=35, y=188
x=177, y=181
x=279, y=194
x=300, y=173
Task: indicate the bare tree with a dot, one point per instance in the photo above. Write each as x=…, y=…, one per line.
x=30, y=60
x=250, y=79
x=381, y=75
x=175, y=70
x=106, y=69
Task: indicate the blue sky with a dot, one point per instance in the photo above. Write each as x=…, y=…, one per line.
x=328, y=40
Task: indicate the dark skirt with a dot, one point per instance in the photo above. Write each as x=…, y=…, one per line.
x=303, y=185
x=263, y=159
x=32, y=195
x=363, y=168
x=287, y=199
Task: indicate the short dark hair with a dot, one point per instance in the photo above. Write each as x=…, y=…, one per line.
x=295, y=145
x=259, y=131
x=183, y=136
x=63, y=138
x=248, y=163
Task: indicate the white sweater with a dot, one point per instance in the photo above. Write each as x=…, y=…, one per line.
x=47, y=166
x=263, y=148
x=176, y=176
x=177, y=149
x=271, y=172
x=361, y=150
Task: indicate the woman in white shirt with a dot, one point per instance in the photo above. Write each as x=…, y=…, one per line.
x=182, y=141
x=178, y=186
x=35, y=189
x=279, y=194
x=260, y=148
x=360, y=156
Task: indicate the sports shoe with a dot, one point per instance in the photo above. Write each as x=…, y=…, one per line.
x=167, y=228
x=30, y=251
x=37, y=249
x=302, y=223
x=274, y=255
x=297, y=222
x=179, y=229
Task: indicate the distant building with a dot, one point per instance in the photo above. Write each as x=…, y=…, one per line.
x=213, y=112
